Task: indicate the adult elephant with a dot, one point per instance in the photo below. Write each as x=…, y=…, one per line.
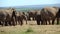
x=31, y=14
x=50, y=13
x=38, y=18
x=3, y=16
x=6, y=17
x=20, y=17
x=10, y=17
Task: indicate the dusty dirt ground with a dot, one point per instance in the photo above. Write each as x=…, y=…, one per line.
x=34, y=29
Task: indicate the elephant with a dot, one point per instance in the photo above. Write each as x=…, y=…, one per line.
x=50, y=13
x=10, y=17
x=31, y=14
x=14, y=17
x=7, y=17
x=38, y=18
x=3, y=15
x=20, y=17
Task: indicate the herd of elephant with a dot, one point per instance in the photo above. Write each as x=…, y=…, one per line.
x=43, y=16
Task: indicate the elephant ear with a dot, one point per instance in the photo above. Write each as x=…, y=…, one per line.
x=2, y=14
x=52, y=10
x=49, y=13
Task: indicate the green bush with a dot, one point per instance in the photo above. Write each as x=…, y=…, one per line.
x=29, y=30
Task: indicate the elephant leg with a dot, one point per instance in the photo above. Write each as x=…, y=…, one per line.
x=53, y=21
x=38, y=22
x=49, y=22
x=21, y=22
x=46, y=22
x=13, y=23
x=0, y=23
x=26, y=21
x=10, y=23
x=6, y=23
x=16, y=23
x=29, y=19
x=41, y=22
x=57, y=21
x=33, y=18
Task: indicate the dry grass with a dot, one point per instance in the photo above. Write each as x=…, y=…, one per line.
x=30, y=29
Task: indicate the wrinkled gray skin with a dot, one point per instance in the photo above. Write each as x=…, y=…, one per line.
x=50, y=13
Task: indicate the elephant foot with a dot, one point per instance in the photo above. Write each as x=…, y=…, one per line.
x=21, y=24
x=2, y=24
x=52, y=24
x=13, y=24
x=49, y=23
x=6, y=25
x=46, y=23
x=38, y=23
x=10, y=24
